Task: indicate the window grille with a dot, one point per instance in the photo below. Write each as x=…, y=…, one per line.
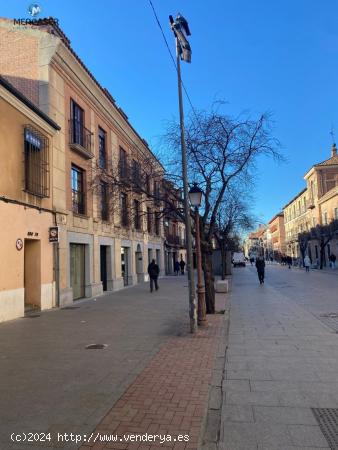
x=36, y=161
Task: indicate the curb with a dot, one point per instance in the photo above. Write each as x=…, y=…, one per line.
x=211, y=427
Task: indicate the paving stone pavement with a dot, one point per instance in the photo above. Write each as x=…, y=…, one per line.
x=168, y=398
x=282, y=360
x=155, y=373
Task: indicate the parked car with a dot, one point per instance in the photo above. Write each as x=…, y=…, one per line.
x=238, y=259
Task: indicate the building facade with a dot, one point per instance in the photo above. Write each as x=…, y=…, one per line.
x=314, y=207
x=109, y=225
x=27, y=146
x=277, y=232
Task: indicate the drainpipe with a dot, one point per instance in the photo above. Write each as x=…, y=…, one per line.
x=56, y=254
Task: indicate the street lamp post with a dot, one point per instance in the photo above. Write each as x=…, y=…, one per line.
x=195, y=195
x=180, y=29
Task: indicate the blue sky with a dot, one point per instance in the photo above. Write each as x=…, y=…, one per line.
x=279, y=56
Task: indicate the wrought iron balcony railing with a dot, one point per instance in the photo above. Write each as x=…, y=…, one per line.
x=80, y=139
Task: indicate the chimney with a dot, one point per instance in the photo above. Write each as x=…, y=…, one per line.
x=333, y=150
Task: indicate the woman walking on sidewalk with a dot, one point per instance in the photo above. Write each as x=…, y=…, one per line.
x=260, y=266
x=307, y=263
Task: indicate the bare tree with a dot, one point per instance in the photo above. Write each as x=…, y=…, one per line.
x=234, y=217
x=324, y=234
x=221, y=149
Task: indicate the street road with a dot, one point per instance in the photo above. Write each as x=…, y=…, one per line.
x=282, y=360
x=49, y=382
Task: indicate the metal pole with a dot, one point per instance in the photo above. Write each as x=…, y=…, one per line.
x=191, y=283
x=202, y=318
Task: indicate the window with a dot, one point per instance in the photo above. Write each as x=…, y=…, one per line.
x=104, y=201
x=157, y=223
x=36, y=162
x=148, y=187
x=80, y=139
x=102, y=149
x=157, y=192
x=124, y=209
x=336, y=213
x=324, y=218
x=137, y=221
x=149, y=221
x=123, y=163
x=136, y=174
x=77, y=123
x=78, y=192
x=331, y=181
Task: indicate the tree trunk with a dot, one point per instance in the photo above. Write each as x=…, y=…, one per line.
x=208, y=279
x=223, y=260
x=322, y=255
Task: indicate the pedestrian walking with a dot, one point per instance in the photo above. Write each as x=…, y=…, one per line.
x=252, y=260
x=260, y=266
x=153, y=271
x=177, y=267
x=332, y=259
x=307, y=263
x=182, y=265
x=289, y=261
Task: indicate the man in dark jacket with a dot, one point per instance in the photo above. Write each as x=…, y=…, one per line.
x=153, y=271
x=182, y=265
x=260, y=266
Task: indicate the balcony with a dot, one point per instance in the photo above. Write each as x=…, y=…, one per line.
x=311, y=203
x=124, y=173
x=173, y=239
x=80, y=139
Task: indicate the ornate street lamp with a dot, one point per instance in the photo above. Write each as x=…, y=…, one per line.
x=195, y=197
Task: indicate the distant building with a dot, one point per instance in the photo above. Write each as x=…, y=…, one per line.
x=314, y=206
x=277, y=230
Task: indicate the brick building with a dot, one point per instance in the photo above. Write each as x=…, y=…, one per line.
x=108, y=231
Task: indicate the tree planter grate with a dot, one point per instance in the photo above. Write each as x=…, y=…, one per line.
x=70, y=307
x=327, y=419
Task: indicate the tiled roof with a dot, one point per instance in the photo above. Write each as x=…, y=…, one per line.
x=333, y=161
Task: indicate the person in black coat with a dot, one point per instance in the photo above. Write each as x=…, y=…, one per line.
x=153, y=271
x=260, y=266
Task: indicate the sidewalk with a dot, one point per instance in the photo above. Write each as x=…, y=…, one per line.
x=153, y=377
x=281, y=367
x=168, y=398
